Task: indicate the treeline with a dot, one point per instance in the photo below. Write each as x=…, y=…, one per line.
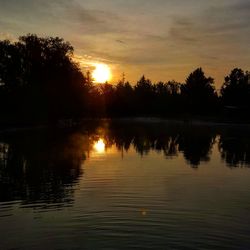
x=40, y=81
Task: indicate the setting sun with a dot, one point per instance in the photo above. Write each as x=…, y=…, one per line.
x=102, y=73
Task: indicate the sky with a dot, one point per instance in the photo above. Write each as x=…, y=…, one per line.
x=163, y=39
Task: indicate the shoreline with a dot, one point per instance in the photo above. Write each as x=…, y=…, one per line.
x=70, y=123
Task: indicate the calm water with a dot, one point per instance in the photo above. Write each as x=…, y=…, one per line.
x=126, y=185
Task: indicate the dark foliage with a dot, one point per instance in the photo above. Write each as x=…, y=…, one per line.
x=236, y=89
x=199, y=92
x=40, y=82
x=235, y=94
x=39, y=79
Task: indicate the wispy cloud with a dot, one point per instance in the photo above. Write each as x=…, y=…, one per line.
x=165, y=37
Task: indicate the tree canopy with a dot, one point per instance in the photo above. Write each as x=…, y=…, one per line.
x=199, y=91
x=40, y=81
x=40, y=73
x=236, y=88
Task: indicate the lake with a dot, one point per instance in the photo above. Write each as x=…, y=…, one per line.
x=126, y=185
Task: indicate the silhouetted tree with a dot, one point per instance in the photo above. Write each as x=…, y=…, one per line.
x=108, y=97
x=236, y=89
x=144, y=94
x=124, y=99
x=40, y=81
x=40, y=78
x=199, y=92
x=167, y=98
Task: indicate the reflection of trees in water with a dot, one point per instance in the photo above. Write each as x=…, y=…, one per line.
x=40, y=167
x=168, y=145
x=143, y=138
x=234, y=147
x=46, y=166
x=195, y=143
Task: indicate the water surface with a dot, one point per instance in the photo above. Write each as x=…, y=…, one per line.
x=124, y=185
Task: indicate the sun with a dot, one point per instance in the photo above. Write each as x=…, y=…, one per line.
x=102, y=73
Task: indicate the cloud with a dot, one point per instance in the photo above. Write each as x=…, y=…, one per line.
x=58, y=13
x=211, y=22
x=215, y=37
x=144, y=34
x=120, y=41
x=91, y=22
x=215, y=31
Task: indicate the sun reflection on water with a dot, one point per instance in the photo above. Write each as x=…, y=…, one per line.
x=99, y=146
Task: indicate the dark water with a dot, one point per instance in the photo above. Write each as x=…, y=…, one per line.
x=126, y=186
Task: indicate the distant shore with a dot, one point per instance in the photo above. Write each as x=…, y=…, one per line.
x=71, y=123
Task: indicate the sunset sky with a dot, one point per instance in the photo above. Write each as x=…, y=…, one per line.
x=163, y=39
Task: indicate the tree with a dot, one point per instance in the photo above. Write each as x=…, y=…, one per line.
x=40, y=78
x=108, y=96
x=199, y=92
x=166, y=97
x=236, y=88
x=124, y=99
x=144, y=94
